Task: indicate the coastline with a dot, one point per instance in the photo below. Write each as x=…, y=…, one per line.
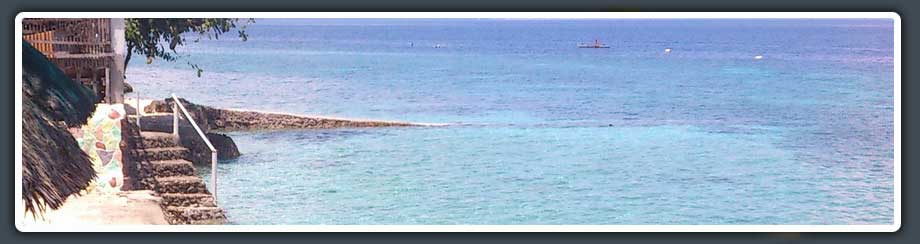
x=351, y=119
x=157, y=119
x=146, y=102
x=213, y=119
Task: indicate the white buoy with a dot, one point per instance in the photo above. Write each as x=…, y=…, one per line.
x=758, y=57
x=667, y=51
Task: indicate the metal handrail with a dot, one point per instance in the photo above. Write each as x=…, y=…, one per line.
x=137, y=108
x=177, y=103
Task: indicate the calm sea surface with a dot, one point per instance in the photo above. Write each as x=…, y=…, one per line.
x=542, y=132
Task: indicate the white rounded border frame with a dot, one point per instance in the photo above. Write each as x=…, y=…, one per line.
x=895, y=226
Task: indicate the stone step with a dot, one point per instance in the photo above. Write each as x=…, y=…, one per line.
x=163, y=153
x=178, y=167
x=188, y=200
x=151, y=139
x=195, y=215
x=180, y=184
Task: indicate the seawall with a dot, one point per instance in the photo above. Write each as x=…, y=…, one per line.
x=214, y=121
x=218, y=119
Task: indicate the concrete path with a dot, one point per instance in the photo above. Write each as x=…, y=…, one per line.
x=100, y=208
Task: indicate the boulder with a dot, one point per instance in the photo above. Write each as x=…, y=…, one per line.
x=226, y=148
x=158, y=106
x=198, y=112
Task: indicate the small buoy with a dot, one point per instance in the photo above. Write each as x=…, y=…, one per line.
x=758, y=57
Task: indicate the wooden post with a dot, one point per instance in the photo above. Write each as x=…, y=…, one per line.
x=80, y=77
x=108, y=86
x=95, y=82
x=116, y=92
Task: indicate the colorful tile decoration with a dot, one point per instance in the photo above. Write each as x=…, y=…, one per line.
x=100, y=139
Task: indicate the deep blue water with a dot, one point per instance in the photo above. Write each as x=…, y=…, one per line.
x=542, y=132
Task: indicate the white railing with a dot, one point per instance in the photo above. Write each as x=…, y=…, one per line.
x=138, y=108
x=178, y=106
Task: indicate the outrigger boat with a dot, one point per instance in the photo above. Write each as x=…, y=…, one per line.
x=596, y=44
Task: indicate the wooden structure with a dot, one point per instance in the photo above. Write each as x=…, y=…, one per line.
x=91, y=51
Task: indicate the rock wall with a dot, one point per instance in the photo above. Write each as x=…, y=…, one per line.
x=233, y=120
x=211, y=120
x=101, y=139
x=138, y=176
x=239, y=120
x=199, y=153
x=199, y=113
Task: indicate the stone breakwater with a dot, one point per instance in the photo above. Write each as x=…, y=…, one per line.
x=233, y=120
x=239, y=120
x=214, y=120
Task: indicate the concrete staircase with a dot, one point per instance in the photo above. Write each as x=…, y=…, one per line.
x=185, y=198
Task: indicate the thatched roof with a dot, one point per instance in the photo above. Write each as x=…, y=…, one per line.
x=53, y=92
x=53, y=166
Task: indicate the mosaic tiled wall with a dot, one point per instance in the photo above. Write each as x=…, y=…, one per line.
x=100, y=139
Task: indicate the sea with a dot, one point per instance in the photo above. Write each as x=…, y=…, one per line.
x=536, y=131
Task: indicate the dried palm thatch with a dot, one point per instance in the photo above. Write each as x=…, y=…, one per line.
x=52, y=91
x=53, y=165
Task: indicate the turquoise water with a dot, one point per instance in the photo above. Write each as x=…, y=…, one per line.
x=541, y=132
